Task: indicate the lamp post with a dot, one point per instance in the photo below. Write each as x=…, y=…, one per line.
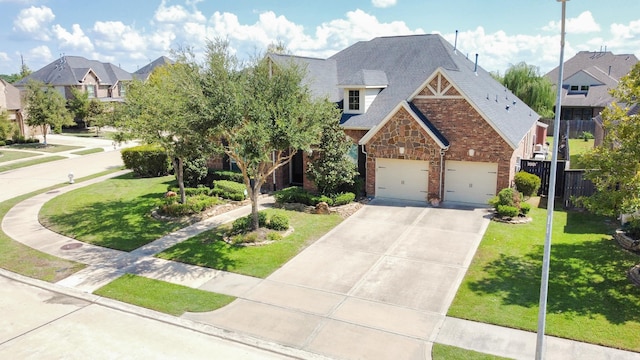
x=544, y=284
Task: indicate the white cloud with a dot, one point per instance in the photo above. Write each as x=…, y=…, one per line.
x=383, y=3
x=624, y=38
x=115, y=36
x=177, y=14
x=75, y=40
x=38, y=57
x=583, y=24
x=33, y=22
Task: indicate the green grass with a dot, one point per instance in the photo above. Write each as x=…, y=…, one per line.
x=588, y=288
x=162, y=296
x=577, y=147
x=88, y=133
x=208, y=250
x=21, y=259
x=114, y=213
x=26, y=163
x=446, y=352
x=8, y=155
x=50, y=148
x=88, y=151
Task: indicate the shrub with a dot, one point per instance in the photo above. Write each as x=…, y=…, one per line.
x=586, y=136
x=293, y=195
x=274, y=236
x=343, y=199
x=507, y=211
x=507, y=196
x=315, y=200
x=525, y=208
x=245, y=238
x=146, y=160
x=191, y=191
x=193, y=205
x=527, y=184
x=632, y=228
x=278, y=222
x=227, y=175
x=243, y=224
x=194, y=171
x=228, y=190
x=3, y=143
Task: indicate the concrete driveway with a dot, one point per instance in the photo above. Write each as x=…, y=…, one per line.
x=378, y=286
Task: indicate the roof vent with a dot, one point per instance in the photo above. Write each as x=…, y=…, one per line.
x=507, y=107
x=475, y=69
x=455, y=44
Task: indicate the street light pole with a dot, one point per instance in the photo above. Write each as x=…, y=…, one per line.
x=544, y=285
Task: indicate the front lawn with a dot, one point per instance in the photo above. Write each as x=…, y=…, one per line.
x=8, y=155
x=207, y=249
x=590, y=299
x=114, y=213
x=162, y=296
x=49, y=148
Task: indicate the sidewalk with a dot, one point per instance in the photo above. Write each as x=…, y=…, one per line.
x=104, y=265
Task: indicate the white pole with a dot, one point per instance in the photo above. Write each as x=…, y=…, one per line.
x=544, y=285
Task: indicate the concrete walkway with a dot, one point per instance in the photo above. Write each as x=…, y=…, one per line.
x=378, y=286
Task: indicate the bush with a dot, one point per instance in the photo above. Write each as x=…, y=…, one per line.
x=146, y=160
x=507, y=196
x=191, y=191
x=194, y=172
x=193, y=205
x=315, y=200
x=632, y=228
x=525, y=208
x=507, y=211
x=278, y=222
x=274, y=236
x=227, y=175
x=228, y=190
x=3, y=143
x=343, y=199
x=527, y=184
x=293, y=195
x=586, y=136
x=243, y=224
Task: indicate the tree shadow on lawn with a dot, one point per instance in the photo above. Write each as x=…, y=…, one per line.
x=586, y=278
x=206, y=249
x=118, y=224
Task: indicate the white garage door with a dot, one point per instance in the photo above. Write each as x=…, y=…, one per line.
x=470, y=182
x=402, y=179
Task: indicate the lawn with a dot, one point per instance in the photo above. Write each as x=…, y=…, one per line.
x=8, y=155
x=88, y=151
x=50, y=148
x=208, y=250
x=162, y=296
x=577, y=147
x=32, y=162
x=114, y=213
x=588, y=288
x=446, y=352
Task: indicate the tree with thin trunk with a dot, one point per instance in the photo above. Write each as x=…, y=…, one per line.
x=160, y=111
x=533, y=89
x=264, y=114
x=45, y=107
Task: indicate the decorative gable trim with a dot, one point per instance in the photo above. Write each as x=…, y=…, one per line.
x=438, y=85
x=371, y=133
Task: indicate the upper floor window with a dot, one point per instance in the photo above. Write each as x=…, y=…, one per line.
x=584, y=88
x=91, y=91
x=354, y=99
x=123, y=89
x=581, y=89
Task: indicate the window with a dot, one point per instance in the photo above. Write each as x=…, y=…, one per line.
x=123, y=89
x=91, y=91
x=574, y=88
x=584, y=88
x=354, y=100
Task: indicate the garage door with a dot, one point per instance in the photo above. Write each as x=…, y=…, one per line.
x=402, y=179
x=470, y=182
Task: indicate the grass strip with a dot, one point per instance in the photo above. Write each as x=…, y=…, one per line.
x=8, y=155
x=88, y=151
x=162, y=296
x=26, y=163
x=447, y=352
x=50, y=148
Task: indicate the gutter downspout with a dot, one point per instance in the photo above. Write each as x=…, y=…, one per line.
x=442, y=151
x=366, y=167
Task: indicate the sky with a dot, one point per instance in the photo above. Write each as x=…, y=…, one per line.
x=133, y=33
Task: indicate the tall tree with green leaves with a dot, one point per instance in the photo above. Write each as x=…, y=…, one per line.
x=46, y=108
x=533, y=89
x=263, y=113
x=160, y=111
x=615, y=165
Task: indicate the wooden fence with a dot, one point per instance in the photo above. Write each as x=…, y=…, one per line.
x=572, y=128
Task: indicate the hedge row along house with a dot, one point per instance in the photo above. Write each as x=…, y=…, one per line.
x=427, y=123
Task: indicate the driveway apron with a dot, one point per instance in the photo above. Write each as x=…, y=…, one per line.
x=377, y=286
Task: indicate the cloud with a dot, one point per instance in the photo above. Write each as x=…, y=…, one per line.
x=583, y=24
x=115, y=36
x=384, y=3
x=177, y=14
x=624, y=38
x=38, y=57
x=32, y=22
x=75, y=40
x=3, y=55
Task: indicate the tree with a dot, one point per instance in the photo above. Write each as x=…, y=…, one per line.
x=528, y=85
x=45, y=107
x=263, y=113
x=160, y=111
x=330, y=167
x=90, y=111
x=78, y=104
x=616, y=163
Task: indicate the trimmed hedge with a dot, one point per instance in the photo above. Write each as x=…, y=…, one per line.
x=507, y=211
x=146, y=160
x=193, y=205
x=228, y=175
x=278, y=222
x=228, y=190
x=344, y=199
x=527, y=184
x=191, y=191
x=299, y=195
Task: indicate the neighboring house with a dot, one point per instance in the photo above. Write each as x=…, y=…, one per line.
x=427, y=123
x=103, y=81
x=11, y=102
x=144, y=72
x=587, y=79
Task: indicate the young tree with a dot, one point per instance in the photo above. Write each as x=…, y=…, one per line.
x=533, y=89
x=330, y=167
x=263, y=113
x=78, y=104
x=45, y=107
x=160, y=111
x=616, y=163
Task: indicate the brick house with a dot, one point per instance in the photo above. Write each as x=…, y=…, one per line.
x=426, y=122
x=11, y=103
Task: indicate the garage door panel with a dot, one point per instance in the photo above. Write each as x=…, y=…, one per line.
x=470, y=182
x=402, y=179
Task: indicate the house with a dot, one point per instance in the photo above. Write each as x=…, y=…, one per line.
x=587, y=79
x=103, y=81
x=144, y=72
x=426, y=122
x=11, y=103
